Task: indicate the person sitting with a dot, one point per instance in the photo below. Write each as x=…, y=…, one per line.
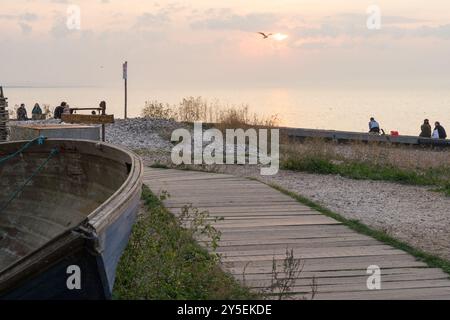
x=66, y=109
x=59, y=110
x=22, y=113
x=374, y=126
x=425, y=129
x=36, y=113
x=439, y=131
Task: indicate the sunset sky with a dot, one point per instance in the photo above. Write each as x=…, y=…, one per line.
x=215, y=43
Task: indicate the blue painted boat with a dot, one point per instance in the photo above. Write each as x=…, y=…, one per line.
x=67, y=208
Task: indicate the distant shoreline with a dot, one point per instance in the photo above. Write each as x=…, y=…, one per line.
x=50, y=86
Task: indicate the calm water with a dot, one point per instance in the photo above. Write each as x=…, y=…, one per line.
x=309, y=108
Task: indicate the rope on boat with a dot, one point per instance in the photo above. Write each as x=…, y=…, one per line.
x=39, y=140
x=53, y=153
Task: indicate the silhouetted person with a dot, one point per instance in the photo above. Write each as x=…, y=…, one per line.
x=59, y=110
x=102, y=106
x=439, y=131
x=36, y=114
x=22, y=113
x=425, y=129
x=374, y=126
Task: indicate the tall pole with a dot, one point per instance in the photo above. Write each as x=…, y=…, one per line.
x=103, y=112
x=125, y=77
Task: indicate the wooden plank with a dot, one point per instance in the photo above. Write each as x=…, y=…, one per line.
x=278, y=247
x=307, y=220
x=402, y=273
x=359, y=281
x=315, y=253
x=403, y=294
x=266, y=266
x=362, y=287
x=87, y=118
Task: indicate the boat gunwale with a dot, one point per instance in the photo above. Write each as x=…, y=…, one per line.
x=100, y=218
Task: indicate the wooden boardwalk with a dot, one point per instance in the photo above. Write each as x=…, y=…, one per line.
x=260, y=223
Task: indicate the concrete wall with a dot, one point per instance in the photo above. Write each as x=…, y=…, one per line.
x=364, y=137
x=55, y=132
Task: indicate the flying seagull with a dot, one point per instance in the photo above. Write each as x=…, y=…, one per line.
x=265, y=35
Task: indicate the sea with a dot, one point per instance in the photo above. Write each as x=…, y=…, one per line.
x=315, y=108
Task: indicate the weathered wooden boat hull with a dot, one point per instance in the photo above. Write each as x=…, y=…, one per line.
x=78, y=211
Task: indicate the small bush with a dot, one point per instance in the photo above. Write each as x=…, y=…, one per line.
x=158, y=110
x=310, y=164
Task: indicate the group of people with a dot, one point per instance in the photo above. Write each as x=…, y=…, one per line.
x=63, y=108
x=37, y=114
x=426, y=131
x=437, y=133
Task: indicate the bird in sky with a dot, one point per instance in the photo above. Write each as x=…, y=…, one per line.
x=265, y=35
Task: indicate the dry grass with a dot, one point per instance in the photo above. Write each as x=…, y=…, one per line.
x=372, y=161
x=223, y=116
x=404, y=157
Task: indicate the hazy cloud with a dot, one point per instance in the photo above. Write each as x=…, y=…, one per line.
x=29, y=17
x=149, y=20
x=225, y=19
x=26, y=28
x=354, y=26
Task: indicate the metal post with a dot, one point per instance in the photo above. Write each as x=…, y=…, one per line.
x=103, y=107
x=126, y=98
x=125, y=77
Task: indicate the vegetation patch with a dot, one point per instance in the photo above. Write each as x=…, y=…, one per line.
x=361, y=170
x=159, y=165
x=164, y=262
x=371, y=162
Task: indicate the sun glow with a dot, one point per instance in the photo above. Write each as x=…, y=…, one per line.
x=280, y=36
